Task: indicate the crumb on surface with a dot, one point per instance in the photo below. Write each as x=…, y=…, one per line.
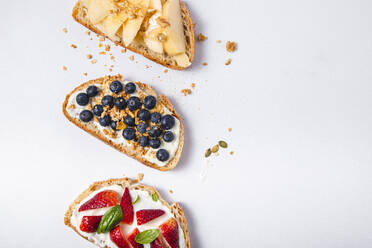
x=171, y=191
x=139, y=176
x=147, y=66
x=110, y=69
x=64, y=30
x=165, y=70
x=101, y=38
x=64, y=68
x=87, y=32
x=124, y=50
x=107, y=48
x=73, y=46
x=229, y=129
x=71, y=106
x=102, y=53
x=205, y=63
x=93, y=61
x=218, y=41
x=232, y=152
x=193, y=85
x=228, y=61
x=202, y=37
x=112, y=57
x=89, y=56
x=131, y=57
x=186, y=92
x=100, y=45
x=230, y=46
x=85, y=74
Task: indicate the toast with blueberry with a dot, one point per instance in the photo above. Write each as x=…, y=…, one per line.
x=130, y=117
x=161, y=30
x=121, y=213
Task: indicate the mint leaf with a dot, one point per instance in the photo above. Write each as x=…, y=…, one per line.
x=155, y=197
x=110, y=219
x=147, y=236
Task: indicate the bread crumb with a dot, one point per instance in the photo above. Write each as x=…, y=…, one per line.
x=205, y=63
x=64, y=68
x=139, y=177
x=131, y=57
x=231, y=153
x=101, y=38
x=93, y=61
x=87, y=32
x=91, y=39
x=107, y=48
x=218, y=41
x=147, y=66
x=186, y=92
x=112, y=57
x=229, y=129
x=193, y=85
x=73, y=46
x=64, y=30
x=100, y=45
x=89, y=56
x=85, y=74
x=201, y=37
x=230, y=46
x=124, y=50
x=171, y=191
x=228, y=61
x=165, y=70
x=102, y=53
x=71, y=106
x=110, y=69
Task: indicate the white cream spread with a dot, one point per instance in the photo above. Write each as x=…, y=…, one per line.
x=150, y=154
x=145, y=202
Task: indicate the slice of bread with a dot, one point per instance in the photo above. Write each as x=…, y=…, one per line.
x=175, y=208
x=79, y=13
x=132, y=149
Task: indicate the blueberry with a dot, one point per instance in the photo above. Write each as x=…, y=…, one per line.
x=155, y=117
x=155, y=131
x=144, y=115
x=141, y=127
x=134, y=103
x=107, y=101
x=129, y=133
x=92, y=91
x=144, y=141
x=149, y=102
x=86, y=116
x=168, y=136
x=97, y=109
x=167, y=122
x=116, y=86
x=120, y=103
x=162, y=155
x=105, y=121
x=130, y=88
x=82, y=99
x=154, y=143
x=113, y=125
x=129, y=121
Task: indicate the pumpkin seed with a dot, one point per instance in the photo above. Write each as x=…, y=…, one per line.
x=222, y=144
x=208, y=152
x=215, y=149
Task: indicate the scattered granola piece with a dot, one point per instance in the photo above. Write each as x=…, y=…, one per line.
x=124, y=50
x=228, y=61
x=218, y=41
x=93, y=61
x=64, y=30
x=64, y=68
x=147, y=66
x=165, y=70
x=186, y=92
x=101, y=38
x=102, y=53
x=139, y=177
x=229, y=129
x=73, y=46
x=107, y=48
x=87, y=32
x=231, y=153
x=100, y=45
x=112, y=57
x=110, y=69
x=230, y=46
x=205, y=63
x=89, y=56
x=193, y=85
x=201, y=37
x=71, y=106
x=171, y=191
x=131, y=57
x=85, y=74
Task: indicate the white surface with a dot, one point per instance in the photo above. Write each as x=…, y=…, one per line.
x=298, y=96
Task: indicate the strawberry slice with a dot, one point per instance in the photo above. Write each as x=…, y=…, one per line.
x=156, y=243
x=131, y=238
x=90, y=224
x=117, y=236
x=145, y=215
x=170, y=232
x=103, y=199
x=127, y=207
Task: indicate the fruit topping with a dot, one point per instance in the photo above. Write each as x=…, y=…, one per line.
x=120, y=103
x=168, y=136
x=117, y=237
x=129, y=121
x=155, y=117
x=143, y=115
x=110, y=219
x=149, y=102
x=127, y=207
x=97, y=110
x=134, y=103
x=146, y=215
x=82, y=99
x=167, y=122
x=90, y=224
x=141, y=127
x=162, y=155
x=130, y=88
x=105, y=121
x=147, y=236
x=170, y=232
x=132, y=241
x=116, y=86
x=103, y=199
x=92, y=91
x=113, y=125
x=155, y=131
x=107, y=101
x=154, y=143
x=129, y=133
x=86, y=116
x=156, y=244
x=143, y=141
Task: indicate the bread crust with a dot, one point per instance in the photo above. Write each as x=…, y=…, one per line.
x=187, y=20
x=127, y=182
x=127, y=150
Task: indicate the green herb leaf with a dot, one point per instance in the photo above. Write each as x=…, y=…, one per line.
x=155, y=197
x=147, y=236
x=110, y=219
x=137, y=199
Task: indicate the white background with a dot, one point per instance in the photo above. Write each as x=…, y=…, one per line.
x=297, y=95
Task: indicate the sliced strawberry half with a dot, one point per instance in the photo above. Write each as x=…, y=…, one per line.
x=170, y=232
x=132, y=241
x=156, y=243
x=127, y=207
x=90, y=224
x=103, y=199
x=117, y=236
x=146, y=215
